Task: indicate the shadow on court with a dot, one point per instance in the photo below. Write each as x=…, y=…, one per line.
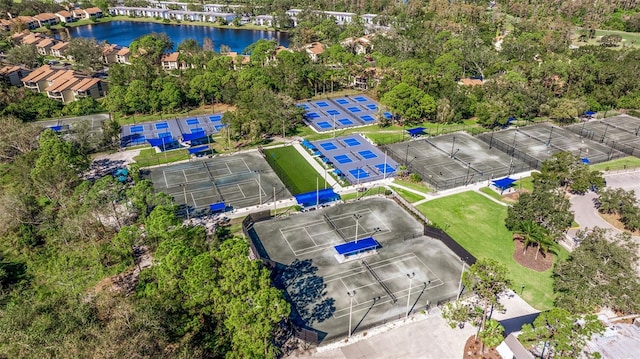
x=307, y=291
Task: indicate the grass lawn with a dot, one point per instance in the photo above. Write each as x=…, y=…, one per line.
x=524, y=183
x=149, y=157
x=477, y=223
x=293, y=169
x=420, y=187
x=617, y=164
x=370, y=192
x=408, y=196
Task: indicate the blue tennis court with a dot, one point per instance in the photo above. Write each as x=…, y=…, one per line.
x=388, y=115
x=312, y=115
x=367, y=154
x=162, y=126
x=215, y=118
x=324, y=125
x=333, y=112
x=385, y=168
x=361, y=99
x=165, y=135
x=322, y=104
x=342, y=101
x=354, y=109
x=342, y=159
x=193, y=121
x=329, y=146
x=137, y=129
x=359, y=173
x=197, y=130
x=345, y=121
x=351, y=142
x=302, y=105
x=371, y=106
x=367, y=118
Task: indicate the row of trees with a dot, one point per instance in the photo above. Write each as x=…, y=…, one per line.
x=621, y=203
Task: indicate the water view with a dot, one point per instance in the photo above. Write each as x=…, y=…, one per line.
x=124, y=32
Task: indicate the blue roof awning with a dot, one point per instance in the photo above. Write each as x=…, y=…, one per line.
x=589, y=113
x=503, y=183
x=415, y=131
x=194, y=136
x=217, y=207
x=585, y=160
x=355, y=247
x=194, y=150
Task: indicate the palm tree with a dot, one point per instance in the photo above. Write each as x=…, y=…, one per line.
x=531, y=232
x=545, y=243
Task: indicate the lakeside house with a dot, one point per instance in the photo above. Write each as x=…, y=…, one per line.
x=63, y=85
x=314, y=50
x=5, y=25
x=46, y=19
x=58, y=50
x=65, y=16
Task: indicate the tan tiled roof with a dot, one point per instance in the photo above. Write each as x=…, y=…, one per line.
x=32, y=38
x=64, y=13
x=60, y=46
x=315, y=48
x=9, y=69
x=38, y=74
x=172, y=57
x=109, y=48
x=470, y=82
x=5, y=22
x=93, y=10
x=124, y=51
x=64, y=80
x=85, y=84
x=45, y=42
x=25, y=19
x=46, y=16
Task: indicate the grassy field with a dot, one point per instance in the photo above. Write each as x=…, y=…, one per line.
x=149, y=157
x=617, y=164
x=628, y=38
x=524, y=183
x=294, y=171
x=373, y=191
x=408, y=196
x=477, y=223
x=420, y=187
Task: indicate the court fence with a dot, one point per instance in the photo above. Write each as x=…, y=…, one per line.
x=513, y=151
x=630, y=149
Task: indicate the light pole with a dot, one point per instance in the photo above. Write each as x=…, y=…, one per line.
x=410, y=276
x=351, y=294
x=453, y=144
x=550, y=133
x=259, y=187
x=357, y=217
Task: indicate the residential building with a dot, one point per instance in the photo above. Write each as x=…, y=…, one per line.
x=471, y=81
x=341, y=18
x=140, y=12
x=65, y=16
x=32, y=38
x=368, y=19
x=58, y=50
x=18, y=36
x=264, y=20
x=314, y=50
x=122, y=57
x=238, y=60
x=46, y=19
x=170, y=61
x=63, y=85
x=27, y=21
x=44, y=46
x=94, y=12
x=13, y=75
x=359, y=46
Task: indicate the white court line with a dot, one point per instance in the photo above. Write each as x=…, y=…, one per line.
x=393, y=259
x=194, y=200
x=241, y=191
x=185, y=176
x=166, y=183
x=308, y=234
x=245, y=164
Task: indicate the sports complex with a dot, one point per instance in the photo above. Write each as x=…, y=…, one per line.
x=368, y=258
x=340, y=112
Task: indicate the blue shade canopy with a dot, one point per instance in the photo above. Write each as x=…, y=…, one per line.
x=321, y=196
x=585, y=160
x=193, y=136
x=355, y=247
x=416, y=131
x=194, y=150
x=160, y=142
x=217, y=207
x=56, y=128
x=503, y=183
x=589, y=113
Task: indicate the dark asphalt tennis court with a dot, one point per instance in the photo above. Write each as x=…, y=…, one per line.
x=241, y=180
x=620, y=132
x=318, y=285
x=454, y=160
x=541, y=141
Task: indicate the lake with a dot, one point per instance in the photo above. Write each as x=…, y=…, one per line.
x=124, y=32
